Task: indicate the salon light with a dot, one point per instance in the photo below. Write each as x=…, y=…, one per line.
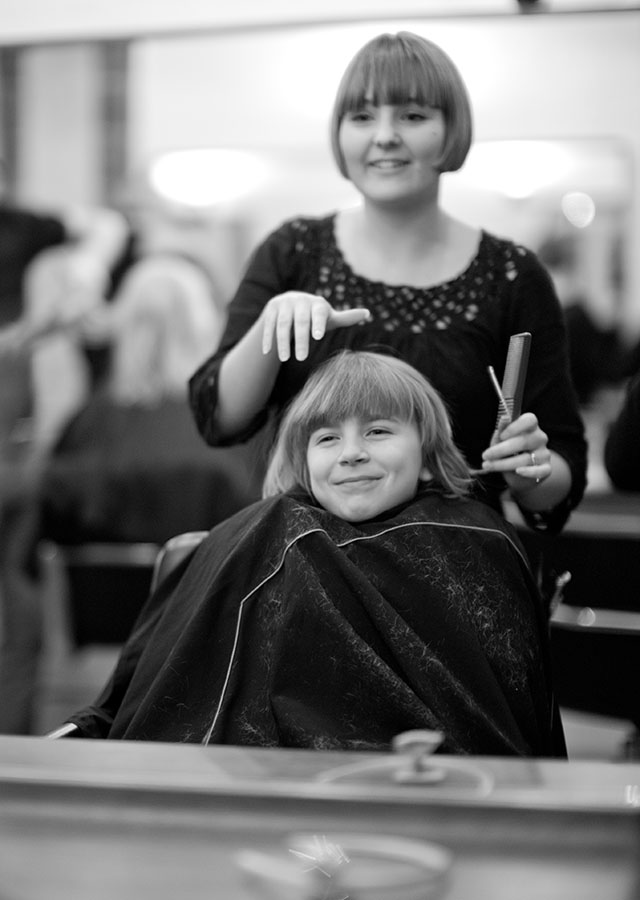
x=517, y=169
x=579, y=208
x=207, y=176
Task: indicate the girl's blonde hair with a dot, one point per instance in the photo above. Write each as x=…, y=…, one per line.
x=366, y=385
x=164, y=323
x=401, y=68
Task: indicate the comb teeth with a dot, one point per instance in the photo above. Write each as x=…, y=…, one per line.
x=515, y=373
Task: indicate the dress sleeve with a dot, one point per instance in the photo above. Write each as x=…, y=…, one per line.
x=269, y=272
x=549, y=391
x=622, y=447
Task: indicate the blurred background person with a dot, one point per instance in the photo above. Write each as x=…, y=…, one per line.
x=93, y=239
x=597, y=355
x=622, y=445
x=128, y=465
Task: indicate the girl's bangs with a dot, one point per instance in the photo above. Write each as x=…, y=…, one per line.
x=370, y=399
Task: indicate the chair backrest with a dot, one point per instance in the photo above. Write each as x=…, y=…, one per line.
x=108, y=583
x=595, y=630
x=106, y=586
x=163, y=561
x=173, y=552
x=596, y=661
x=604, y=566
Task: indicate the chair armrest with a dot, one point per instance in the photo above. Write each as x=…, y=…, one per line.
x=173, y=552
x=64, y=731
x=602, y=621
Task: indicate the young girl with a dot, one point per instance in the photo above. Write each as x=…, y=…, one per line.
x=366, y=595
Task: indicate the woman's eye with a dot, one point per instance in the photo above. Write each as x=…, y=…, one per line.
x=414, y=115
x=359, y=116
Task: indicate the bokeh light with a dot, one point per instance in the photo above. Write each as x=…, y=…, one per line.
x=207, y=176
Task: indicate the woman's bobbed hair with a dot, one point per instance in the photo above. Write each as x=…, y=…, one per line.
x=400, y=68
x=365, y=385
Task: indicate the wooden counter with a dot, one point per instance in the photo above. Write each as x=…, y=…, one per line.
x=99, y=820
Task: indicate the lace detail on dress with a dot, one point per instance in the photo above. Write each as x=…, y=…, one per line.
x=396, y=306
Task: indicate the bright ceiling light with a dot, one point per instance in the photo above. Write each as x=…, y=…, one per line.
x=208, y=176
x=517, y=169
x=578, y=208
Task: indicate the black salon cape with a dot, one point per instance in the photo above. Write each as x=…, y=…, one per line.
x=290, y=627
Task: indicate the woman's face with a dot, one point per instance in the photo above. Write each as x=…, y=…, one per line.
x=362, y=467
x=391, y=151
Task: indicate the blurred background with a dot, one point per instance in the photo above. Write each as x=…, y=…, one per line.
x=206, y=123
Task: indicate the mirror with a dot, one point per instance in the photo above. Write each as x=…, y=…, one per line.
x=270, y=92
x=267, y=91
x=554, y=165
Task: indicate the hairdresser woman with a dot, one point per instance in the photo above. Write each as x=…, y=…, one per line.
x=398, y=273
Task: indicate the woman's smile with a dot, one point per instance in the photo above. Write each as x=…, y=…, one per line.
x=380, y=143
x=385, y=164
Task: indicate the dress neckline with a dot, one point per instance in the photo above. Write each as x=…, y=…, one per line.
x=462, y=275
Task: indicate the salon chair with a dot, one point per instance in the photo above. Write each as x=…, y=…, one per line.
x=173, y=552
x=157, y=562
x=596, y=665
x=104, y=587
x=595, y=616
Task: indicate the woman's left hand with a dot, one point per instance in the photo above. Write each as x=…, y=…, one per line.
x=519, y=450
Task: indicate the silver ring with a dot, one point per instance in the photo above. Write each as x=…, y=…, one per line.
x=533, y=459
x=538, y=480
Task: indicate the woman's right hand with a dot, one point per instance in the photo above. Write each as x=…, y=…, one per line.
x=302, y=315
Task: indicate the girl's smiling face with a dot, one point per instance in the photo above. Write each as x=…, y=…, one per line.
x=360, y=468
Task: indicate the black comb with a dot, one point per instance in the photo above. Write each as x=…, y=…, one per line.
x=515, y=373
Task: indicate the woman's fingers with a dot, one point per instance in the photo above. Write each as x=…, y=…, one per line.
x=320, y=313
x=346, y=317
x=535, y=468
x=269, y=318
x=299, y=316
x=278, y=320
x=520, y=445
x=283, y=331
x=301, y=330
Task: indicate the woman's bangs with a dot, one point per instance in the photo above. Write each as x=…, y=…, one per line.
x=391, y=81
x=387, y=81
